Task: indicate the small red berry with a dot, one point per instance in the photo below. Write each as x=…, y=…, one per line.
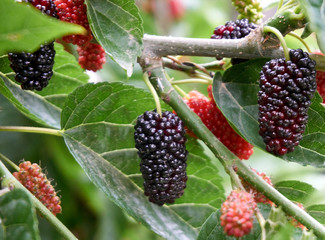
x=91, y=56
x=177, y=9
x=32, y=178
x=214, y=120
x=320, y=79
x=237, y=213
x=74, y=11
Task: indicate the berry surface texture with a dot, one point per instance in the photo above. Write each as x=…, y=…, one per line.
x=160, y=142
x=237, y=213
x=286, y=90
x=214, y=120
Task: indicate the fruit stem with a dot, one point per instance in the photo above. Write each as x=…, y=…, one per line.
x=153, y=93
x=202, y=76
x=10, y=181
x=295, y=35
x=261, y=221
x=299, y=16
x=278, y=34
x=48, y=131
x=279, y=6
x=234, y=177
x=191, y=80
x=225, y=156
x=180, y=91
x=9, y=162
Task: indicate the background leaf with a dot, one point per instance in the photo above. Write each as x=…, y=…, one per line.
x=315, y=11
x=45, y=106
x=237, y=99
x=24, y=28
x=295, y=190
x=117, y=26
x=317, y=212
x=98, y=122
x=18, y=216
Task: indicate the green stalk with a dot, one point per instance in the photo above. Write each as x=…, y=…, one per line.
x=7, y=160
x=280, y=5
x=192, y=80
x=295, y=35
x=279, y=35
x=227, y=158
x=153, y=92
x=10, y=181
x=48, y=131
x=180, y=91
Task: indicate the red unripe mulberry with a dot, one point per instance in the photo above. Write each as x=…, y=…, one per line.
x=32, y=178
x=320, y=79
x=214, y=120
x=91, y=56
x=237, y=213
x=74, y=11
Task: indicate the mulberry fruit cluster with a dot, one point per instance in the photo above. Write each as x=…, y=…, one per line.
x=160, y=142
x=214, y=120
x=286, y=90
x=233, y=30
x=32, y=178
x=320, y=79
x=91, y=55
x=237, y=213
x=258, y=196
x=74, y=11
x=34, y=70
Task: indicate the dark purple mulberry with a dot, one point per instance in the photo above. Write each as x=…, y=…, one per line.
x=160, y=141
x=233, y=30
x=286, y=90
x=34, y=70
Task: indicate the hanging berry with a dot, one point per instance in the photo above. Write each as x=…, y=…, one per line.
x=74, y=12
x=237, y=213
x=32, y=178
x=320, y=79
x=286, y=90
x=34, y=70
x=214, y=120
x=91, y=56
x=160, y=142
x=233, y=30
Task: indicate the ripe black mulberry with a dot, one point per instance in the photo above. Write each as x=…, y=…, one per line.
x=34, y=70
x=286, y=90
x=233, y=30
x=160, y=141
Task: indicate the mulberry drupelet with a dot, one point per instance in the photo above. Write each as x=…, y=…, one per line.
x=286, y=90
x=160, y=141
